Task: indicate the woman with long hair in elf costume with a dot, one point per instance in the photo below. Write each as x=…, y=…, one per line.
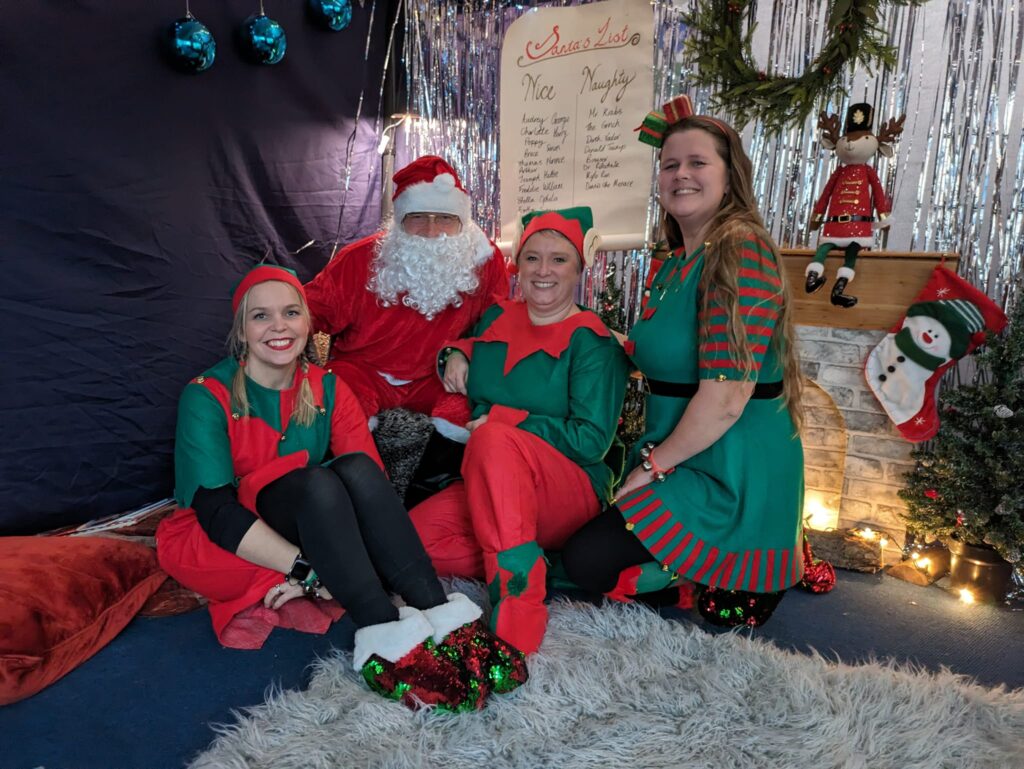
x=284, y=507
x=545, y=380
x=715, y=492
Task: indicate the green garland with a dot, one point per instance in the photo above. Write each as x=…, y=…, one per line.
x=720, y=52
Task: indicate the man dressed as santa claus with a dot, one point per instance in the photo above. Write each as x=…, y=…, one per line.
x=390, y=301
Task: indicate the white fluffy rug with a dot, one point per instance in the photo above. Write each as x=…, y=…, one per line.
x=617, y=686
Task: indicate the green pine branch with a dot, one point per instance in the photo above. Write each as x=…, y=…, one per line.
x=720, y=52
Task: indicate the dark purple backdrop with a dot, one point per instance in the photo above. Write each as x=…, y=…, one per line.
x=131, y=200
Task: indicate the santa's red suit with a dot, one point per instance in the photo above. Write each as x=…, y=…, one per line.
x=385, y=350
x=852, y=196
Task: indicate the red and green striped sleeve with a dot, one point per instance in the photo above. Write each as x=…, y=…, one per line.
x=760, y=298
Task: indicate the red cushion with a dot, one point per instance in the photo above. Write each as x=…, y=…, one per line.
x=61, y=600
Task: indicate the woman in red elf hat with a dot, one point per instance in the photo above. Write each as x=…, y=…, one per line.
x=284, y=507
x=715, y=490
x=545, y=380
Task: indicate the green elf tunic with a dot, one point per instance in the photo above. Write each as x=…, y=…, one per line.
x=730, y=516
x=562, y=382
x=216, y=446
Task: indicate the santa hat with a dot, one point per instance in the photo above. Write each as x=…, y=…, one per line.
x=961, y=318
x=576, y=224
x=429, y=185
x=261, y=274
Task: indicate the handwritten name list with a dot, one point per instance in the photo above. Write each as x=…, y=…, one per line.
x=575, y=83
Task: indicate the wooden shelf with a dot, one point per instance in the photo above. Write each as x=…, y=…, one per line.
x=886, y=283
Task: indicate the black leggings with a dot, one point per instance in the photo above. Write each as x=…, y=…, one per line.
x=352, y=527
x=602, y=549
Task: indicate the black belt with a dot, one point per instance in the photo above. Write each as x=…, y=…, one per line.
x=844, y=218
x=762, y=390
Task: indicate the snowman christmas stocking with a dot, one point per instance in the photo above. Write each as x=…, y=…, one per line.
x=947, y=320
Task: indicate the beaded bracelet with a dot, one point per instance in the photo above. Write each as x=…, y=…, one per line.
x=445, y=354
x=311, y=584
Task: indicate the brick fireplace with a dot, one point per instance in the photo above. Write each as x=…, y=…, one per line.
x=854, y=456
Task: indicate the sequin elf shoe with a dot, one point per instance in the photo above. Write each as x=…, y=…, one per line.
x=460, y=633
x=730, y=608
x=399, y=660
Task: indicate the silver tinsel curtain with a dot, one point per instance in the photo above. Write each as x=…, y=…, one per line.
x=957, y=178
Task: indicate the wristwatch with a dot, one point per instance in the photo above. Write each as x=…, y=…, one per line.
x=300, y=569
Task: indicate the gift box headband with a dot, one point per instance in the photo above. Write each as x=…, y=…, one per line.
x=654, y=127
x=261, y=274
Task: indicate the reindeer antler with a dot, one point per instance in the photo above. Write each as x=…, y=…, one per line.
x=890, y=131
x=829, y=125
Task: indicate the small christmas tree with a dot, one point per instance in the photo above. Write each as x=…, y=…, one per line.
x=612, y=310
x=610, y=306
x=968, y=481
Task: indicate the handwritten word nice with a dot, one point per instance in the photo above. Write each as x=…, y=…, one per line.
x=553, y=46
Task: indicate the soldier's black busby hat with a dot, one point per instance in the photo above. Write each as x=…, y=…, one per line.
x=858, y=118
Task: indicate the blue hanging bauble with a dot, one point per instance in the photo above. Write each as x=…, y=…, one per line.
x=334, y=15
x=190, y=45
x=262, y=39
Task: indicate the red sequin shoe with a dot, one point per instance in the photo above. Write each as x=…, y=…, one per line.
x=460, y=633
x=399, y=660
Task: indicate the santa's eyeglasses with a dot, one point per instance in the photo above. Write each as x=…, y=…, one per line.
x=420, y=222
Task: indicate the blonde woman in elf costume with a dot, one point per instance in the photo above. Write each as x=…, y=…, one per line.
x=284, y=506
x=715, y=493
x=545, y=379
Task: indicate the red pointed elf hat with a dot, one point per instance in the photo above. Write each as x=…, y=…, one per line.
x=575, y=224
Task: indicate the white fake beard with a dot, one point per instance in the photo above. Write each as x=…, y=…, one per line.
x=432, y=273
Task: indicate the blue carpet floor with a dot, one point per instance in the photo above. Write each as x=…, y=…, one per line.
x=148, y=699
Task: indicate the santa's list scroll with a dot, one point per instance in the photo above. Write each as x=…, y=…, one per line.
x=575, y=82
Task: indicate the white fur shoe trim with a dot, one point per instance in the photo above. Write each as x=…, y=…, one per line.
x=816, y=267
x=845, y=272
x=452, y=615
x=391, y=640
